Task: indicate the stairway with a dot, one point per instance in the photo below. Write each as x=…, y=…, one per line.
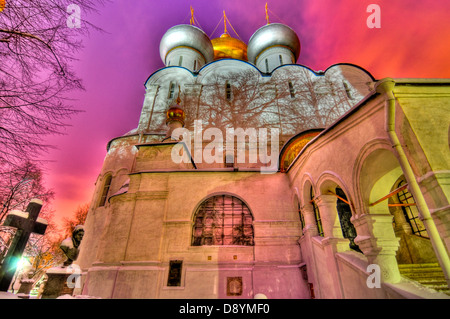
x=429, y=275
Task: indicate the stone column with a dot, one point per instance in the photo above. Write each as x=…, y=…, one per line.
x=435, y=187
x=329, y=216
x=310, y=222
x=377, y=241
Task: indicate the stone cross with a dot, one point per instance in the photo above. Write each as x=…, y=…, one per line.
x=26, y=223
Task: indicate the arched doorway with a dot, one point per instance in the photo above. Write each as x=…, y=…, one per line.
x=404, y=249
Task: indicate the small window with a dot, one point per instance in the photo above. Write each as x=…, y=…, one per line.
x=291, y=90
x=228, y=90
x=300, y=214
x=267, y=66
x=316, y=214
x=234, y=286
x=195, y=65
x=281, y=59
x=105, y=191
x=171, y=90
x=347, y=90
x=229, y=160
x=180, y=62
x=174, y=279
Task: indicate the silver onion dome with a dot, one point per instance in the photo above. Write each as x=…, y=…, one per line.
x=274, y=34
x=185, y=35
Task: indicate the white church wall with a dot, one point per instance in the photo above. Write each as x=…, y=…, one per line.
x=185, y=57
x=144, y=226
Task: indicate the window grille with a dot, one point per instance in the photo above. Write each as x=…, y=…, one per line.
x=411, y=213
x=223, y=220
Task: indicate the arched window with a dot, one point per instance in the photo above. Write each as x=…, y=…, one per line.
x=105, y=190
x=345, y=213
x=316, y=214
x=223, y=220
x=291, y=90
x=410, y=211
x=300, y=214
x=347, y=90
x=228, y=90
x=171, y=90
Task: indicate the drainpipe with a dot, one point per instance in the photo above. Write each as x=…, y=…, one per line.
x=385, y=87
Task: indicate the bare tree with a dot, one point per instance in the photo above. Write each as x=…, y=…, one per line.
x=313, y=101
x=78, y=218
x=21, y=184
x=293, y=100
x=17, y=188
x=239, y=99
x=38, y=42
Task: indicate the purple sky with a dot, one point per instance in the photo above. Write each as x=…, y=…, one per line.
x=413, y=41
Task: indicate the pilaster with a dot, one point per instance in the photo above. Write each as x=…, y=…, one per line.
x=148, y=107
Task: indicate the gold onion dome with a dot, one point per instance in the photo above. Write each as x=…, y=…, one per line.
x=175, y=113
x=228, y=47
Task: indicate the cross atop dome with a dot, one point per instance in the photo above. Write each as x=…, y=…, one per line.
x=226, y=46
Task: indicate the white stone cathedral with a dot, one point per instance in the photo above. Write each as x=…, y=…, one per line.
x=348, y=198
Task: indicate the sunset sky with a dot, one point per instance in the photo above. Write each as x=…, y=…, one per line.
x=413, y=42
